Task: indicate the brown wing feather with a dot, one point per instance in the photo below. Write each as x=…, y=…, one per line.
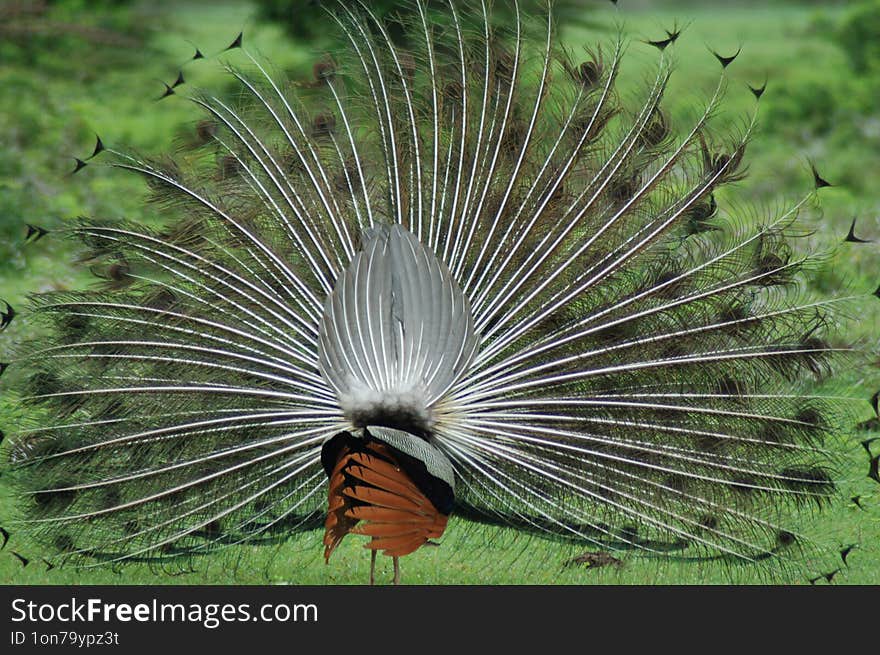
x=385, y=468
x=393, y=483
x=376, y=496
x=369, y=494
x=387, y=515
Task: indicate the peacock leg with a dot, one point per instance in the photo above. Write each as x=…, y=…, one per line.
x=372, y=567
x=396, y=570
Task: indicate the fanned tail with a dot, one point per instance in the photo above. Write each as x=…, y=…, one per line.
x=558, y=298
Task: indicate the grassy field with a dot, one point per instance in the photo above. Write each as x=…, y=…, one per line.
x=815, y=107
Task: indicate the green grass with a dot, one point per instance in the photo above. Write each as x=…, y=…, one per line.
x=54, y=103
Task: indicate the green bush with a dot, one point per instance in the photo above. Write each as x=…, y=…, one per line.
x=859, y=36
x=307, y=19
x=53, y=56
x=298, y=17
x=809, y=104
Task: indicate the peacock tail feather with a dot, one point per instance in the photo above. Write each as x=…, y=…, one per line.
x=474, y=239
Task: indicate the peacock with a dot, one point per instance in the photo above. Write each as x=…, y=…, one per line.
x=456, y=276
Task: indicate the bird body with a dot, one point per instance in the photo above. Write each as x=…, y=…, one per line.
x=453, y=279
x=396, y=333
x=368, y=483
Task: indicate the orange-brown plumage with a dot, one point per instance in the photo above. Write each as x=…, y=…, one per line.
x=370, y=494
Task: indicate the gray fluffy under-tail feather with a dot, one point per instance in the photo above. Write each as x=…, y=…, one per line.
x=396, y=333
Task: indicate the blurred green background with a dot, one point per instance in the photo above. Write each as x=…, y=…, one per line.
x=70, y=69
